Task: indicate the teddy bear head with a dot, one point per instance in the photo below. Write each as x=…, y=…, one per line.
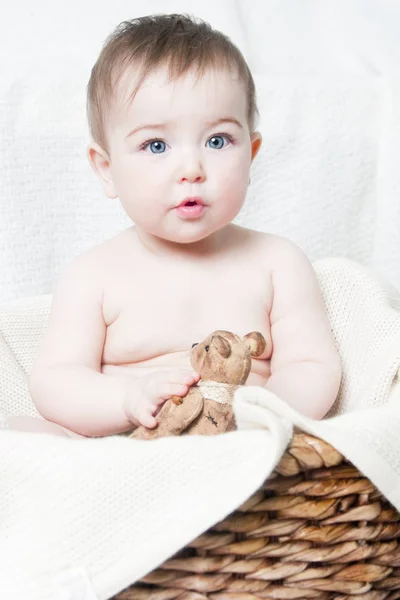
x=225, y=357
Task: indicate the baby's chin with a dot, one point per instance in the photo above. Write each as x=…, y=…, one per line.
x=187, y=238
x=199, y=236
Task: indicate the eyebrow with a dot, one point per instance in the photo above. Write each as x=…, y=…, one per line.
x=144, y=127
x=224, y=120
x=164, y=126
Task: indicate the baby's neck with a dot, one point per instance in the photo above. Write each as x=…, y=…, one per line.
x=206, y=248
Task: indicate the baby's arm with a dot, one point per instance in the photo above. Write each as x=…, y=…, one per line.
x=66, y=382
x=305, y=365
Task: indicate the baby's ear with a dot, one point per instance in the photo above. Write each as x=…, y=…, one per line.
x=222, y=345
x=101, y=165
x=256, y=343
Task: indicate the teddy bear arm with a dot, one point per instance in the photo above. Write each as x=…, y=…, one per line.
x=215, y=418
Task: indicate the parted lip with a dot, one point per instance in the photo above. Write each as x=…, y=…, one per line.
x=191, y=199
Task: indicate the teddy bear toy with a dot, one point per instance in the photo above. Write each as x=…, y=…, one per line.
x=223, y=361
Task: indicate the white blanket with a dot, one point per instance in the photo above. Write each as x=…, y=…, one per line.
x=98, y=514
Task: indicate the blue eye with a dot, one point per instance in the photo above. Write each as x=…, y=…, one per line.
x=217, y=142
x=156, y=146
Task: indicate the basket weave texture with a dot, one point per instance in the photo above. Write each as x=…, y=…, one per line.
x=317, y=528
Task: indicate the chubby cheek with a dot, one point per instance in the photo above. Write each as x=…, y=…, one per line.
x=140, y=191
x=233, y=186
x=237, y=182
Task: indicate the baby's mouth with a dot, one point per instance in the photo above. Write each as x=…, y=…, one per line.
x=191, y=201
x=191, y=208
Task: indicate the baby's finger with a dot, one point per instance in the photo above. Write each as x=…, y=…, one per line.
x=148, y=421
x=183, y=377
x=166, y=390
x=157, y=409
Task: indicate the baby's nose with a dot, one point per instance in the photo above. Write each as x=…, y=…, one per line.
x=193, y=178
x=191, y=169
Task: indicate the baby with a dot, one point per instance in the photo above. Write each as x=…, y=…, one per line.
x=172, y=112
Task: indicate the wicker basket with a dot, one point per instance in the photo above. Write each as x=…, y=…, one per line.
x=316, y=529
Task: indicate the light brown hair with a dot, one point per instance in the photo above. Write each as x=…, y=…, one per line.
x=178, y=41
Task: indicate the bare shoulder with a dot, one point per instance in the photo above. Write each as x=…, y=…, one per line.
x=275, y=250
x=296, y=288
x=92, y=266
x=288, y=254
x=291, y=272
x=250, y=238
x=291, y=268
x=77, y=313
x=280, y=245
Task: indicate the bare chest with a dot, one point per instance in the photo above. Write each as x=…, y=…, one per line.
x=154, y=319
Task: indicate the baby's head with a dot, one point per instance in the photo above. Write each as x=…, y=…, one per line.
x=172, y=112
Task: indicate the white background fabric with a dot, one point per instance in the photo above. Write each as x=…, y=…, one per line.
x=327, y=175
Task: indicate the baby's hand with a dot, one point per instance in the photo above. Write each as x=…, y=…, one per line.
x=146, y=394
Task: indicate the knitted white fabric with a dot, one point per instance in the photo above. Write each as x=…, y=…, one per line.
x=115, y=508
x=21, y=326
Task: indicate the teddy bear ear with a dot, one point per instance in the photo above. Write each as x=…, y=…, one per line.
x=222, y=345
x=256, y=343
